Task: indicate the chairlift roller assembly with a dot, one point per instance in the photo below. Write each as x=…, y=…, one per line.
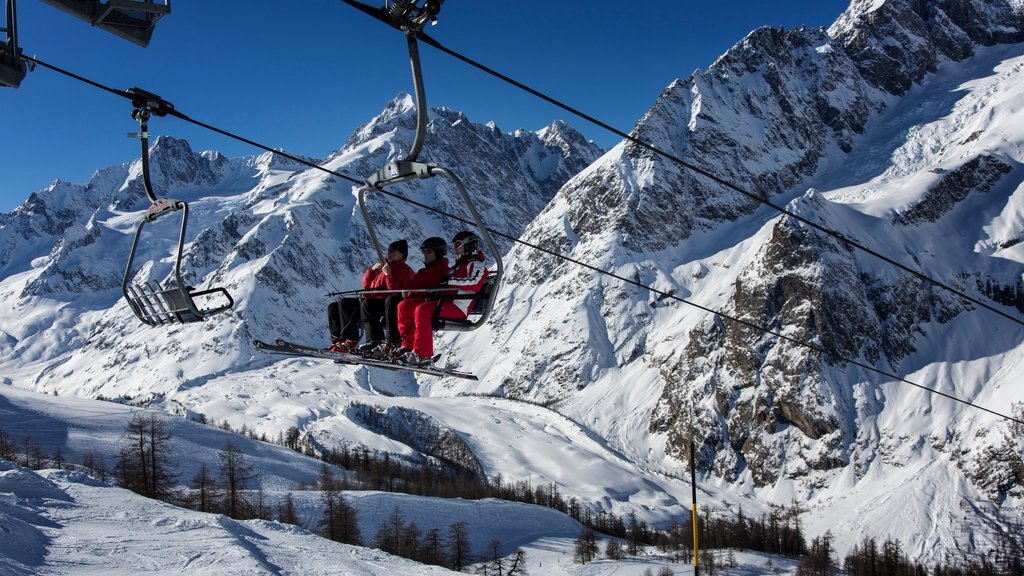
x=174, y=303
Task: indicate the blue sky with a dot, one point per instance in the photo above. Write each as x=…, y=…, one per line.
x=304, y=75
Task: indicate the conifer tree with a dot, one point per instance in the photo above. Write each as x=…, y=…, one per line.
x=586, y=545
x=494, y=563
x=613, y=550
x=8, y=446
x=144, y=458
x=433, y=548
x=204, y=490
x=340, y=520
x=235, y=476
x=389, y=534
x=286, y=512
x=517, y=567
x=458, y=546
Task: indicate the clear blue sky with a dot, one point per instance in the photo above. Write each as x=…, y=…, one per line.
x=304, y=75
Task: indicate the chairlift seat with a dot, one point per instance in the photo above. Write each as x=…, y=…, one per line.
x=177, y=305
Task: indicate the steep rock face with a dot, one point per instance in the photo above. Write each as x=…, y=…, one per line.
x=977, y=175
x=762, y=117
x=760, y=381
x=896, y=42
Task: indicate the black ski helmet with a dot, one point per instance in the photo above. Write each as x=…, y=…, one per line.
x=469, y=240
x=438, y=245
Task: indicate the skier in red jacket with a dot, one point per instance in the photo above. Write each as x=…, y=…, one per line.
x=467, y=276
x=391, y=274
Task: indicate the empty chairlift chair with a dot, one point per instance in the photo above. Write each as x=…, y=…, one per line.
x=176, y=302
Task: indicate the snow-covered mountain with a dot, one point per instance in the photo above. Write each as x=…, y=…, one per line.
x=898, y=127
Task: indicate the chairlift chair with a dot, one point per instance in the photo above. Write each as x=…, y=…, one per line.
x=176, y=302
x=132, y=20
x=483, y=301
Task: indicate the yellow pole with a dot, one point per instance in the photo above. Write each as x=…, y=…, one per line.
x=693, y=518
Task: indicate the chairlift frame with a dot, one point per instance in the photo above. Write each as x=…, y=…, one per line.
x=410, y=19
x=12, y=67
x=152, y=304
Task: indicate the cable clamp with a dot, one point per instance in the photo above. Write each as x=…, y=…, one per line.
x=400, y=171
x=148, y=102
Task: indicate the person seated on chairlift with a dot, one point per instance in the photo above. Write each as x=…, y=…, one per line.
x=467, y=276
x=433, y=273
x=343, y=315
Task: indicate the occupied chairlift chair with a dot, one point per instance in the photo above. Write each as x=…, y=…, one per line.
x=175, y=303
x=410, y=19
x=12, y=67
x=132, y=20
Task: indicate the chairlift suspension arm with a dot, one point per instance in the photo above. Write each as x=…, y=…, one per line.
x=421, y=97
x=410, y=19
x=143, y=105
x=405, y=16
x=12, y=32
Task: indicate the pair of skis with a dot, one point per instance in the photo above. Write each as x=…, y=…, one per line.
x=292, y=349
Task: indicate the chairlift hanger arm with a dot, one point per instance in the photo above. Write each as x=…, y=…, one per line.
x=152, y=304
x=143, y=104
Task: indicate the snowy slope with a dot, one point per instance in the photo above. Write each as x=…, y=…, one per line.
x=56, y=521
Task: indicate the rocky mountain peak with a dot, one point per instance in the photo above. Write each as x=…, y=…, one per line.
x=399, y=113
